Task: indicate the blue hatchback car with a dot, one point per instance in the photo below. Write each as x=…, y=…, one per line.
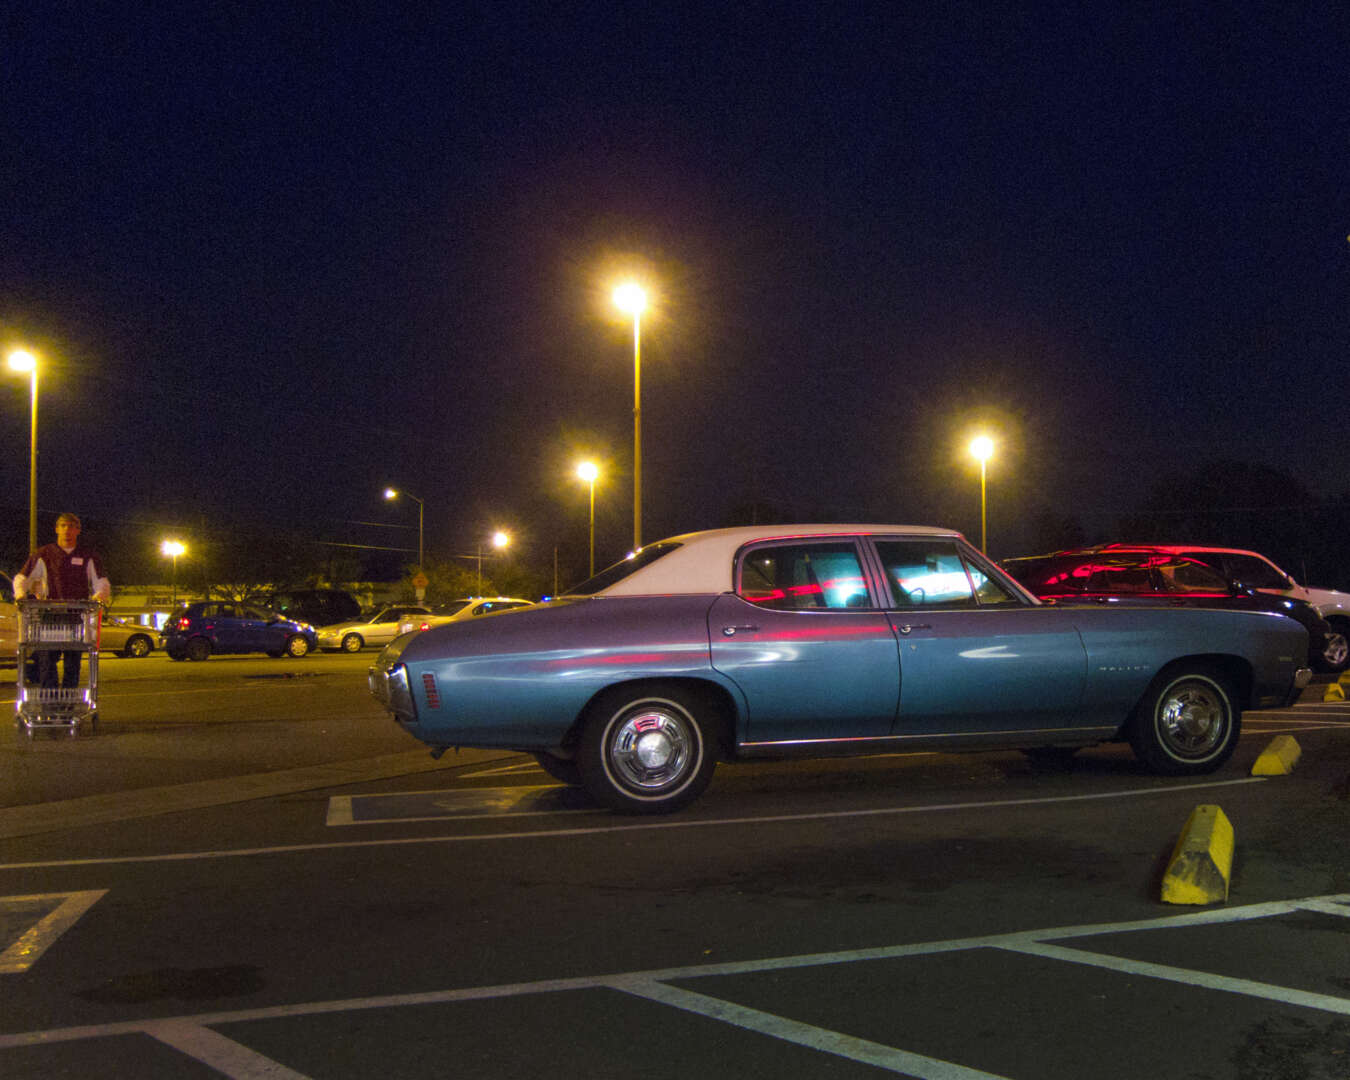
x=198, y=630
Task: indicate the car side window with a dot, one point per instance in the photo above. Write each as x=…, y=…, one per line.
x=1121, y=579
x=991, y=593
x=1187, y=575
x=804, y=577
x=933, y=573
x=1257, y=573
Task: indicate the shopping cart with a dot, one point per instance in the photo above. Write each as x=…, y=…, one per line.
x=54, y=627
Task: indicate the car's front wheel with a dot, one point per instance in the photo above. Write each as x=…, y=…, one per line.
x=297, y=645
x=352, y=643
x=647, y=749
x=1336, y=650
x=138, y=645
x=1188, y=722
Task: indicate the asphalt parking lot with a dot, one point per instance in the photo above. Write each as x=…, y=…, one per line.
x=918, y=915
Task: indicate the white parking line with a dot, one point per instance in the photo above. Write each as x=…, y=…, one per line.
x=645, y=826
x=191, y=1034
x=1289, y=996
x=215, y=1050
x=808, y=1035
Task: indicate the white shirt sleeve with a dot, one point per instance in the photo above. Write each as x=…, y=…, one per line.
x=100, y=588
x=34, y=584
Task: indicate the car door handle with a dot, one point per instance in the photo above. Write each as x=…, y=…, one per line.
x=905, y=628
x=731, y=631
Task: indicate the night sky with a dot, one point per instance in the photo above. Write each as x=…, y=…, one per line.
x=275, y=260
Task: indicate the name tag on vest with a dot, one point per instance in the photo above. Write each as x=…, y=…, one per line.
x=76, y=562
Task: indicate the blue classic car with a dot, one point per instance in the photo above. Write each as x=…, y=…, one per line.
x=820, y=639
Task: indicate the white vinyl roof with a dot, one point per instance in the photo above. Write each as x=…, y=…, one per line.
x=703, y=562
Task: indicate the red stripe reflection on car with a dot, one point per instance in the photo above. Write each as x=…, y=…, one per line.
x=429, y=687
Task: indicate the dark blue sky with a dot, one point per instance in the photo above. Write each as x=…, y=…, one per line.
x=275, y=260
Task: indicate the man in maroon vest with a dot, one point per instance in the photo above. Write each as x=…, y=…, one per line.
x=62, y=571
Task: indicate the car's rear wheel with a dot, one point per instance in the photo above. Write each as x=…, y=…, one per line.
x=352, y=643
x=561, y=769
x=647, y=749
x=198, y=649
x=1188, y=722
x=138, y=645
x=297, y=645
x=176, y=654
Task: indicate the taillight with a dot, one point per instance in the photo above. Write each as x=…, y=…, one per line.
x=425, y=626
x=184, y=623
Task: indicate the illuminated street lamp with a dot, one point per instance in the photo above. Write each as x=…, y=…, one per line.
x=983, y=449
x=588, y=472
x=173, y=548
x=394, y=493
x=22, y=360
x=631, y=299
x=499, y=540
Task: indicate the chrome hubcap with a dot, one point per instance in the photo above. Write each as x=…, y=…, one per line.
x=1336, y=649
x=1192, y=719
x=651, y=748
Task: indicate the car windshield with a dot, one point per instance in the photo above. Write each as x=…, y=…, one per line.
x=452, y=608
x=613, y=574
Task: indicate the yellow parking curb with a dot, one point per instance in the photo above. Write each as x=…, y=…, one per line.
x=1202, y=861
x=1334, y=692
x=1279, y=758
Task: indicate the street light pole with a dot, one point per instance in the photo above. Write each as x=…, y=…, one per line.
x=22, y=360
x=982, y=448
x=394, y=493
x=632, y=299
x=588, y=472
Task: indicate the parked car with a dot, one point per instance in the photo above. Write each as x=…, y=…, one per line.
x=470, y=607
x=9, y=623
x=1153, y=578
x=1257, y=572
x=379, y=627
x=206, y=627
x=9, y=634
x=318, y=607
x=125, y=638
x=814, y=639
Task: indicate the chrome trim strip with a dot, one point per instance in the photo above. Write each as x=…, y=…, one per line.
x=1070, y=733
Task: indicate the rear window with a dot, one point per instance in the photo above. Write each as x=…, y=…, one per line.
x=612, y=575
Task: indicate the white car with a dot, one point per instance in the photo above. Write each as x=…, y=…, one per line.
x=1257, y=572
x=125, y=638
x=9, y=635
x=377, y=628
x=457, y=610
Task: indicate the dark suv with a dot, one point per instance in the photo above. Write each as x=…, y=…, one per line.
x=1152, y=579
x=196, y=631
x=318, y=607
